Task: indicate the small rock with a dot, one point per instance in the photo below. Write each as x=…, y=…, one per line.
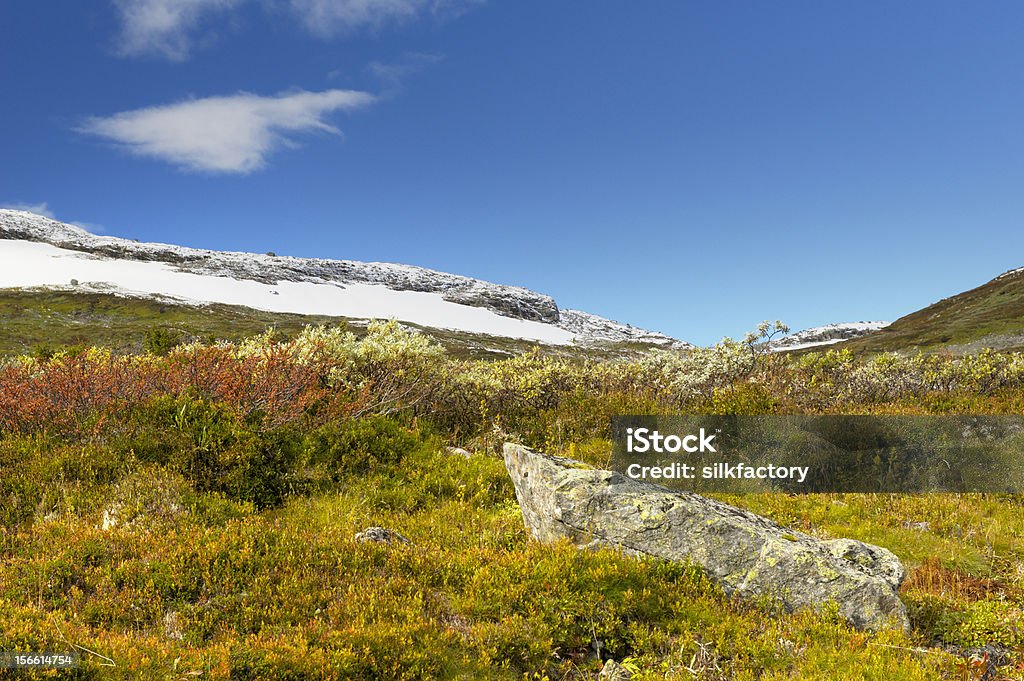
x=380, y=535
x=919, y=526
x=613, y=671
x=786, y=646
x=458, y=451
x=984, y=661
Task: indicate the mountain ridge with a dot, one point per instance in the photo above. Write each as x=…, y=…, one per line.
x=422, y=294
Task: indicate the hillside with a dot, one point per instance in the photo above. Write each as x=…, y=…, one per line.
x=989, y=316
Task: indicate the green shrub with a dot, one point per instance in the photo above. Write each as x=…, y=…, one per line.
x=259, y=469
x=360, y=445
x=216, y=450
x=160, y=341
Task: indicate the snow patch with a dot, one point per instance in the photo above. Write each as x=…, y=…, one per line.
x=25, y=264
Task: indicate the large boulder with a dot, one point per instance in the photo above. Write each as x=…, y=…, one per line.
x=746, y=554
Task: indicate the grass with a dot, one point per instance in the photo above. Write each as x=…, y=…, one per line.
x=195, y=515
x=44, y=320
x=212, y=591
x=38, y=319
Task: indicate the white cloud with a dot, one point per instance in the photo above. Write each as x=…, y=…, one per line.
x=164, y=27
x=169, y=28
x=232, y=134
x=37, y=208
x=330, y=17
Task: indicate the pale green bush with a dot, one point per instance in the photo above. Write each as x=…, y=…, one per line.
x=699, y=372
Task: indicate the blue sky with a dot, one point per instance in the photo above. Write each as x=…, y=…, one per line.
x=691, y=167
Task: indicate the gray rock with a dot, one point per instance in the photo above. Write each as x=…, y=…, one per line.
x=924, y=526
x=985, y=661
x=459, y=451
x=613, y=671
x=746, y=554
x=380, y=535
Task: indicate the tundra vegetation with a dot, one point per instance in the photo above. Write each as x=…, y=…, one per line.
x=192, y=512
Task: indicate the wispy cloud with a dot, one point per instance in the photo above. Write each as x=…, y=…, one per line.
x=164, y=28
x=171, y=28
x=37, y=208
x=393, y=74
x=232, y=134
x=332, y=17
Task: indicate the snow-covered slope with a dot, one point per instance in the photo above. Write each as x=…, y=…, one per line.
x=38, y=252
x=826, y=335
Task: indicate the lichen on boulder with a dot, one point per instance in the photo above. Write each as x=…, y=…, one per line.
x=748, y=555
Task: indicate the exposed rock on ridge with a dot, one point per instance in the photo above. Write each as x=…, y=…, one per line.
x=509, y=301
x=826, y=335
x=745, y=553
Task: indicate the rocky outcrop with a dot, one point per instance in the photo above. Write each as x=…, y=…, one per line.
x=746, y=554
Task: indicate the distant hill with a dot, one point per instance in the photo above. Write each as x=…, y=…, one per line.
x=989, y=316
x=830, y=334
